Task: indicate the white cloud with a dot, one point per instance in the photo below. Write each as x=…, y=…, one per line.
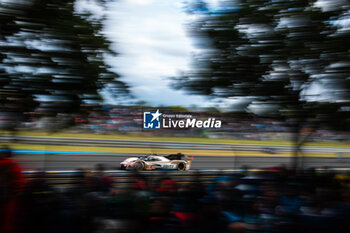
x=151, y=39
x=90, y=6
x=140, y=2
x=330, y=5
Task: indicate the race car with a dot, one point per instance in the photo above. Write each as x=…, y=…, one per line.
x=152, y=162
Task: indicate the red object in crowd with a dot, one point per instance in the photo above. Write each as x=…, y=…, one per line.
x=167, y=186
x=12, y=180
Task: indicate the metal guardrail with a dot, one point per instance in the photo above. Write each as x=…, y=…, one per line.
x=173, y=172
x=69, y=178
x=120, y=178
x=113, y=143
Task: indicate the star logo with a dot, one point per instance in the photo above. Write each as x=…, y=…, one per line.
x=151, y=120
x=156, y=115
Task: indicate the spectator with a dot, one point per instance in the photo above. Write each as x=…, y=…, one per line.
x=11, y=182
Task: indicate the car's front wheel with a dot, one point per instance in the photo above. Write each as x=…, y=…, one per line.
x=139, y=166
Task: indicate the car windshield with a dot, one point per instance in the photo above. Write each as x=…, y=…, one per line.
x=149, y=158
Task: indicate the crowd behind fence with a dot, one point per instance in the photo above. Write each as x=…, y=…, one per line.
x=269, y=200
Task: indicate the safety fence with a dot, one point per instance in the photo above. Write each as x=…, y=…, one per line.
x=120, y=178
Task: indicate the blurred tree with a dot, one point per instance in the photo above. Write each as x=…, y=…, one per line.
x=52, y=58
x=141, y=103
x=176, y=108
x=293, y=54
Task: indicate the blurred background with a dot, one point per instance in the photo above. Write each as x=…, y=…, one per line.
x=77, y=75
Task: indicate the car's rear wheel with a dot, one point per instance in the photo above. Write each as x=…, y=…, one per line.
x=181, y=167
x=139, y=166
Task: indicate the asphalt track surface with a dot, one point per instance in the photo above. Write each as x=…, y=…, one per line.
x=66, y=161
x=55, y=160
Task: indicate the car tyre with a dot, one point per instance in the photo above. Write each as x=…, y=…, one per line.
x=139, y=166
x=181, y=167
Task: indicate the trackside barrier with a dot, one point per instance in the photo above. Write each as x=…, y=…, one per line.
x=121, y=177
x=67, y=178
x=170, y=172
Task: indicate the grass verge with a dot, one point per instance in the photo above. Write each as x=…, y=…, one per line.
x=141, y=151
x=146, y=137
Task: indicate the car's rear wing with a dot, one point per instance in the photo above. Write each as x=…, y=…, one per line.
x=178, y=156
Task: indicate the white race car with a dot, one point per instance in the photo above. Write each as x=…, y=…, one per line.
x=152, y=162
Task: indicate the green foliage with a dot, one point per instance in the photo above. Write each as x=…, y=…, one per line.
x=274, y=52
x=52, y=58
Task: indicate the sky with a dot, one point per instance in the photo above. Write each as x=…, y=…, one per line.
x=150, y=37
